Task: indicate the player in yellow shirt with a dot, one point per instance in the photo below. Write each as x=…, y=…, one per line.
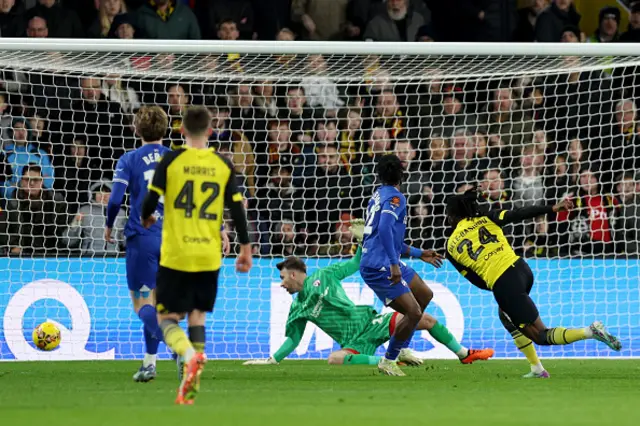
x=478, y=249
x=196, y=184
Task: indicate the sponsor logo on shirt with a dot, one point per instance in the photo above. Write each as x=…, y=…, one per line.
x=395, y=202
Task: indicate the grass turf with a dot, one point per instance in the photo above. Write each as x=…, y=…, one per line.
x=598, y=392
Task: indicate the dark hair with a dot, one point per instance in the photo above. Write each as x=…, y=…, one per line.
x=32, y=167
x=464, y=206
x=196, y=120
x=390, y=170
x=227, y=20
x=292, y=263
x=151, y=123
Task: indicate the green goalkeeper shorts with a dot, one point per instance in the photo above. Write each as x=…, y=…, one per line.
x=376, y=333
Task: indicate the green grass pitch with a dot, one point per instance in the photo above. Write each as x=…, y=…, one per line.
x=598, y=392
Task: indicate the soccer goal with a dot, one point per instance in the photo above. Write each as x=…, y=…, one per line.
x=304, y=124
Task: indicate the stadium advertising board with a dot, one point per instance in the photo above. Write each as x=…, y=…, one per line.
x=88, y=299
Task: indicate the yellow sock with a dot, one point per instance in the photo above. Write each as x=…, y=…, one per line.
x=564, y=336
x=198, y=346
x=176, y=339
x=525, y=345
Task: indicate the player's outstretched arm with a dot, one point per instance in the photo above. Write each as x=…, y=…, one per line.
x=295, y=330
x=429, y=256
x=505, y=217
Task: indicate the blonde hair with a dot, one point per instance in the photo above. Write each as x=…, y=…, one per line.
x=105, y=21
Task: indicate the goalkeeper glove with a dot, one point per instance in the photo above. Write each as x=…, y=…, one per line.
x=357, y=229
x=268, y=361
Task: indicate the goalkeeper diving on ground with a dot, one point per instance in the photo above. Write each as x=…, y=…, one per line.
x=358, y=329
x=478, y=249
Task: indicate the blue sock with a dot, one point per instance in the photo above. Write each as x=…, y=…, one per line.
x=149, y=318
x=408, y=341
x=393, y=350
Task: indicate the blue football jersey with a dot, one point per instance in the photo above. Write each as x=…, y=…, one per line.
x=386, y=200
x=135, y=169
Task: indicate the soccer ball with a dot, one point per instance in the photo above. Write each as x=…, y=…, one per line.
x=46, y=336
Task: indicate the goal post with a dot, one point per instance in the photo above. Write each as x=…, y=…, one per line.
x=304, y=123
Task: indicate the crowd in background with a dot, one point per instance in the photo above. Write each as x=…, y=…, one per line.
x=305, y=149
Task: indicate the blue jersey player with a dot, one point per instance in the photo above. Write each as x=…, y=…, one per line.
x=134, y=171
x=395, y=283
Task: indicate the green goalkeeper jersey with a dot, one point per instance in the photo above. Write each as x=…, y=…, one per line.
x=324, y=302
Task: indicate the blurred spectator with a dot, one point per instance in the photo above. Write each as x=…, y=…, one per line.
x=5, y=117
x=164, y=19
x=75, y=174
x=498, y=20
x=61, y=22
x=426, y=229
x=36, y=216
x=284, y=239
x=21, y=152
x=619, y=151
x=466, y=167
x=265, y=99
x=438, y=165
x=326, y=195
x=528, y=184
x=633, y=32
x=108, y=10
x=244, y=115
x=350, y=137
x=399, y=22
x=608, y=26
x=320, y=19
x=527, y=17
x=299, y=114
x=86, y=232
x=343, y=243
x=452, y=114
x=37, y=27
x=426, y=34
x=177, y=101
x=414, y=179
x=551, y=22
x=591, y=228
x=504, y=117
x=320, y=90
x=280, y=150
x=123, y=27
x=387, y=113
x=101, y=122
x=39, y=133
x=228, y=30
x=276, y=200
x=116, y=90
x=12, y=18
x=494, y=191
x=211, y=15
x=627, y=220
x=241, y=155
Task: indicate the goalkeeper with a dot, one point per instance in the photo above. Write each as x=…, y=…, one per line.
x=358, y=329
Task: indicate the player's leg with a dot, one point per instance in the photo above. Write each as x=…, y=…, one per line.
x=204, y=287
x=524, y=345
x=142, y=265
x=422, y=295
x=351, y=357
x=443, y=336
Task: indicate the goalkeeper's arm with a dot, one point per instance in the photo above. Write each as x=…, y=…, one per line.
x=295, y=330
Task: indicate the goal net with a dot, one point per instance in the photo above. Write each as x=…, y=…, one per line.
x=304, y=125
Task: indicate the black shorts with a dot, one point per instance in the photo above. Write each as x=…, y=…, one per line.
x=511, y=291
x=182, y=292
